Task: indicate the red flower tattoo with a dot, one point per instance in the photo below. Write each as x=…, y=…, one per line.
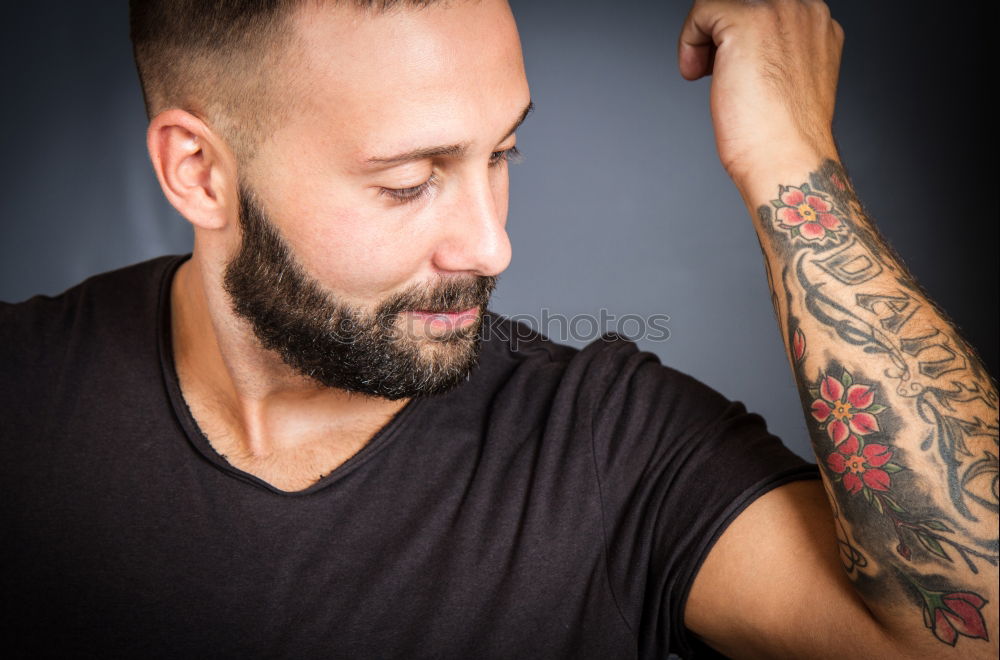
x=844, y=407
x=950, y=614
x=861, y=466
x=806, y=213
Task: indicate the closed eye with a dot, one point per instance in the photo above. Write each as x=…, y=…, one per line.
x=412, y=194
x=512, y=155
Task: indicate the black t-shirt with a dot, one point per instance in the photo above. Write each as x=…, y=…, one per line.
x=557, y=504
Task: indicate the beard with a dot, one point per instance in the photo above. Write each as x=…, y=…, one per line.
x=377, y=353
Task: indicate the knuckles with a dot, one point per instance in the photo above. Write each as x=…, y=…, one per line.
x=767, y=14
x=790, y=16
x=776, y=11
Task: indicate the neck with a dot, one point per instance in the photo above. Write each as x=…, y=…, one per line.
x=252, y=407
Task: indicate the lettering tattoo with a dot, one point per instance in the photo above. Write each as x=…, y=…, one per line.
x=902, y=415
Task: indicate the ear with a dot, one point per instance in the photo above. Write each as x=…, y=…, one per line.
x=196, y=169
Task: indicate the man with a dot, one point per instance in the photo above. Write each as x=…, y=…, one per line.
x=312, y=439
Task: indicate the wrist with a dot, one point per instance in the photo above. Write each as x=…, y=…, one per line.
x=787, y=164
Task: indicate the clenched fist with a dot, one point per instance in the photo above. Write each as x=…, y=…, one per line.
x=774, y=67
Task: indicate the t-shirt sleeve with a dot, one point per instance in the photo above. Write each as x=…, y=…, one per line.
x=676, y=462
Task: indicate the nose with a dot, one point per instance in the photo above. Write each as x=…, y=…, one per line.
x=475, y=238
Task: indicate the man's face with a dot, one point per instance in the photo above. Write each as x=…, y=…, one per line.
x=385, y=193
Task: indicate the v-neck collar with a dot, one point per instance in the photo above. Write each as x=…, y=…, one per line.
x=197, y=438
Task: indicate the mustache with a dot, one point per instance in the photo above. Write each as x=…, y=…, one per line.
x=453, y=295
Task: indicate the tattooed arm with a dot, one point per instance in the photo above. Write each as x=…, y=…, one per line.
x=901, y=413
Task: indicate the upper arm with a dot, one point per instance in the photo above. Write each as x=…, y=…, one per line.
x=773, y=586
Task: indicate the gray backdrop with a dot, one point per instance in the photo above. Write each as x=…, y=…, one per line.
x=620, y=204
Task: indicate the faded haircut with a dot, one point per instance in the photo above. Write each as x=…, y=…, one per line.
x=217, y=59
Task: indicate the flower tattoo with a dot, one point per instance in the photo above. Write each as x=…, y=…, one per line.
x=950, y=614
x=845, y=408
x=862, y=466
x=806, y=213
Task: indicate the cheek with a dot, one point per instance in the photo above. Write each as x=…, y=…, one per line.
x=360, y=255
x=337, y=232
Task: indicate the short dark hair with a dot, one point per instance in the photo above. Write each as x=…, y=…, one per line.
x=213, y=58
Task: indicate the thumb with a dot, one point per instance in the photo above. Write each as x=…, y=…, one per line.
x=696, y=45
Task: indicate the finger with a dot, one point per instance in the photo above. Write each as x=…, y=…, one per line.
x=695, y=47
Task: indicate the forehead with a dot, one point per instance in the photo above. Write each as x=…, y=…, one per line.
x=374, y=83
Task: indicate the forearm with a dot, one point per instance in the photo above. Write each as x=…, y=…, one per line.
x=901, y=414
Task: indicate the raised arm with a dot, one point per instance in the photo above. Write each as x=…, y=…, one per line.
x=901, y=413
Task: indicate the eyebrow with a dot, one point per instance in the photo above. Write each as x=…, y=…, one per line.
x=443, y=150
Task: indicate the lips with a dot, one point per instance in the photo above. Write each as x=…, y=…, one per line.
x=448, y=319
